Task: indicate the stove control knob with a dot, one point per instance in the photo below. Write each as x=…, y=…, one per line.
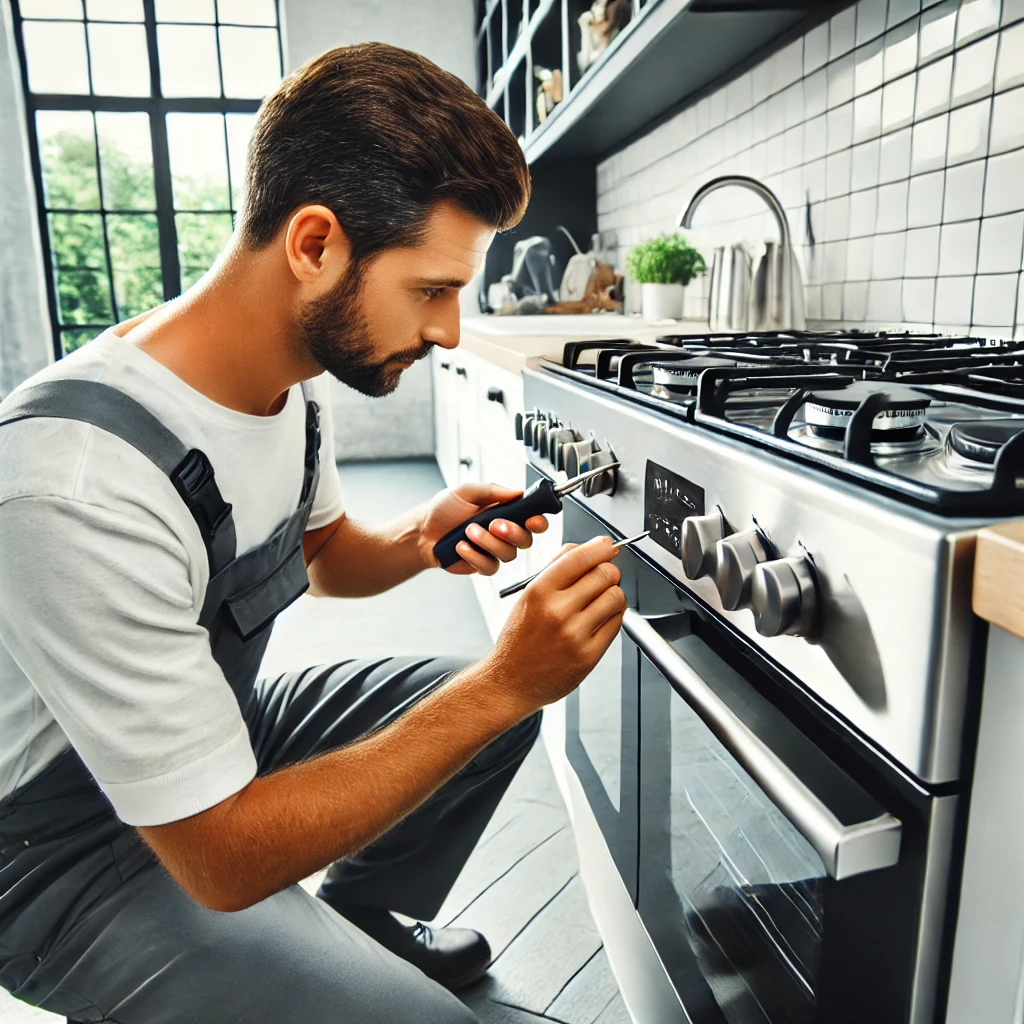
x=737, y=557
x=530, y=422
x=605, y=483
x=557, y=440
x=540, y=437
x=578, y=456
x=700, y=534
x=784, y=598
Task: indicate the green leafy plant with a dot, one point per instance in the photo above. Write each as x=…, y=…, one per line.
x=667, y=259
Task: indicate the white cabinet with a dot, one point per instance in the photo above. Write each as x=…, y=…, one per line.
x=475, y=406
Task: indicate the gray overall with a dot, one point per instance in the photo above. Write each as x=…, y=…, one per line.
x=93, y=927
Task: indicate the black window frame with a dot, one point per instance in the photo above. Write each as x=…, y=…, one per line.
x=157, y=107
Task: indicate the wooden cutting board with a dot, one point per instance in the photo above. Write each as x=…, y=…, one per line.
x=999, y=576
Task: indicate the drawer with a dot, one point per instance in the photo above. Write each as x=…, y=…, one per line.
x=500, y=397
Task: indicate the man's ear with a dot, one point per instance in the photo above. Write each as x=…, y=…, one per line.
x=317, y=247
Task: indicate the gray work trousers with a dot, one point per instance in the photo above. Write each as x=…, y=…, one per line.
x=142, y=952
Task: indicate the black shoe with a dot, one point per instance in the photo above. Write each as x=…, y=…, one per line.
x=453, y=957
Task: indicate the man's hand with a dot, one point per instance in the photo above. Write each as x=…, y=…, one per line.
x=561, y=626
x=501, y=543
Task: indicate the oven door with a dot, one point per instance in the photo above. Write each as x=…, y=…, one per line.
x=601, y=722
x=775, y=887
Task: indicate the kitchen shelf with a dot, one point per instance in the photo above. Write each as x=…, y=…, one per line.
x=670, y=50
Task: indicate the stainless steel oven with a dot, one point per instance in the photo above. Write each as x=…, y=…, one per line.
x=749, y=858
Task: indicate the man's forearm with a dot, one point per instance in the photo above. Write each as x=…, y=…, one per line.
x=285, y=826
x=358, y=561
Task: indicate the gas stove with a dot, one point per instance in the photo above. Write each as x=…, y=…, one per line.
x=932, y=420
x=800, y=621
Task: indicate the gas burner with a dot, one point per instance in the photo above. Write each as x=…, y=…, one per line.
x=828, y=413
x=676, y=380
x=979, y=441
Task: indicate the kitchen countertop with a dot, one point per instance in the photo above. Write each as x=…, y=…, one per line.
x=998, y=573
x=512, y=342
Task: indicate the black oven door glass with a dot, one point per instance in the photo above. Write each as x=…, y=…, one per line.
x=731, y=893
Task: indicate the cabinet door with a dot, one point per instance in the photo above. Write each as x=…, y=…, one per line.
x=446, y=437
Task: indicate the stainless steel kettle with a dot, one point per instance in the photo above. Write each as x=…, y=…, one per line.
x=767, y=302
x=730, y=288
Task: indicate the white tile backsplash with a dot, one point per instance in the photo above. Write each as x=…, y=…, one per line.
x=964, y=188
x=1010, y=65
x=1002, y=238
x=974, y=69
x=922, y=253
x=1004, y=183
x=925, y=203
x=895, y=129
x=968, y=132
x=900, y=51
x=958, y=248
x=938, y=30
x=977, y=17
x=1007, y=121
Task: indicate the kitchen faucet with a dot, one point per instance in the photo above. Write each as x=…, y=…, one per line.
x=778, y=288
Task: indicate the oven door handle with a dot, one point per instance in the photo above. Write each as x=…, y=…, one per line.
x=845, y=850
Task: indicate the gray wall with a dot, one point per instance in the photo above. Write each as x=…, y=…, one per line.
x=900, y=121
x=401, y=425
x=25, y=334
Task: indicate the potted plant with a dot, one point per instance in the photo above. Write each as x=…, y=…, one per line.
x=664, y=265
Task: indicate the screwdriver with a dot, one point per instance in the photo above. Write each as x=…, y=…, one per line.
x=543, y=498
x=523, y=584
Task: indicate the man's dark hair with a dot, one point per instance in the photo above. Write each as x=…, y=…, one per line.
x=378, y=135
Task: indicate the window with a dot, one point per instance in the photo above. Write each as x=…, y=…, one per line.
x=139, y=116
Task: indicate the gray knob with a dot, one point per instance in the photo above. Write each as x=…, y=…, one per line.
x=577, y=457
x=700, y=534
x=784, y=598
x=605, y=483
x=557, y=439
x=540, y=437
x=738, y=556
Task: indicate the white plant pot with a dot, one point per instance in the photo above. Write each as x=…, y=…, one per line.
x=662, y=301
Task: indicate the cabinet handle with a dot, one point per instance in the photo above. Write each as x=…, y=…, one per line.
x=461, y=371
x=446, y=366
x=466, y=461
x=495, y=395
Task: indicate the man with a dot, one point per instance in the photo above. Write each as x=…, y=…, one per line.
x=164, y=492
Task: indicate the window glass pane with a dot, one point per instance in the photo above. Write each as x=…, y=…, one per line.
x=184, y=10
x=201, y=236
x=126, y=161
x=199, y=166
x=76, y=241
x=114, y=10
x=188, y=60
x=135, y=256
x=239, y=129
x=76, y=337
x=250, y=61
x=68, y=151
x=83, y=297
x=55, y=52
x=247, y=12
x=51, y=8
x=120, y=60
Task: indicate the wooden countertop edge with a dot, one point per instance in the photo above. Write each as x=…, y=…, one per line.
x=998, y=594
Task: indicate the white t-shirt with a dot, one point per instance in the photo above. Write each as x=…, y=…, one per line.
x=102, y=577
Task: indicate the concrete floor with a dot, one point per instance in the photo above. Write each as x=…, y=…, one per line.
x=521, y=887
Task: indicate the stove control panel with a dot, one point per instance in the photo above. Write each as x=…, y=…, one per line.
x=567, y=450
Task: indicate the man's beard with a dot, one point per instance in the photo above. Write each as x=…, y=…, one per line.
x=337, y=336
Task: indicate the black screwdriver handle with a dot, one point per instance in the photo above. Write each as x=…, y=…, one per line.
x=539, y=500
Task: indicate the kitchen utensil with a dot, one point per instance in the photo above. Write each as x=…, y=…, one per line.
x=766, y=297
x=523, y=584
x=543, y=498
x=730, y=288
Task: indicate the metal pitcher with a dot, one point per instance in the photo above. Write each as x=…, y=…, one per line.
x=730, y=288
